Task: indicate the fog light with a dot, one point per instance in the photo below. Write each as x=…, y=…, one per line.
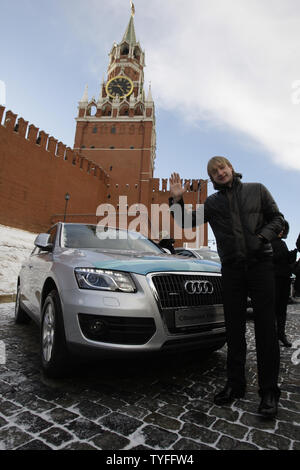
x=98, y=327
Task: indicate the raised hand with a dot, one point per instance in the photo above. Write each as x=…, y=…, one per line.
x=176, y=189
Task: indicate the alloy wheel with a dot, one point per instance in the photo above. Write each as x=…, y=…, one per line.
x=48, y=332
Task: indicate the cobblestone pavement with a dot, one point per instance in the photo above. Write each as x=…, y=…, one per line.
x=154, y=403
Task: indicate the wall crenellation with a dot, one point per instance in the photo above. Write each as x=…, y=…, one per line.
x=37, y=170
x=163, y=185
x=32, y=134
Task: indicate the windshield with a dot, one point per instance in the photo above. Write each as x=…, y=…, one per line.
x=105, y=238
x=209, y=255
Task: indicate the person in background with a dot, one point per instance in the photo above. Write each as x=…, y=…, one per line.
x=283, y=260
x=297, y=274
x=166, y=242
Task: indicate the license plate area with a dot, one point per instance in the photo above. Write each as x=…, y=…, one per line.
x=187, y=317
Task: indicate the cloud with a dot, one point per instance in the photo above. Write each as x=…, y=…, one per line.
x=232, y=63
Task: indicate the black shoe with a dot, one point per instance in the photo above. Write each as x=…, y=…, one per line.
x=285, y=341
x=227, y=395
x=269, y=405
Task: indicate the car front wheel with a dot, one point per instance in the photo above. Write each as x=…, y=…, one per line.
x=54, y=353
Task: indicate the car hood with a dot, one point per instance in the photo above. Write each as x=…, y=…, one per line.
x=134, y=262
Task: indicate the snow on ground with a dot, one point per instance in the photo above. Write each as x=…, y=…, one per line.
x=15, y=247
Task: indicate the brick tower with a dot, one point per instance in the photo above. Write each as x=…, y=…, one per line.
x=117, y=131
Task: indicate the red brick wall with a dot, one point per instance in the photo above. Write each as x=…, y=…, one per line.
x=125, y=155
x=34, y=178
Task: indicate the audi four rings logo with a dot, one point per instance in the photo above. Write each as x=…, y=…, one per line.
x=198, y=287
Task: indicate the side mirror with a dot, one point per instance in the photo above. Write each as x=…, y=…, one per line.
x=166, y=250
x=42, y=241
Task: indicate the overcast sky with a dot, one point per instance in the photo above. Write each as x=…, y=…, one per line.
x=225, y=77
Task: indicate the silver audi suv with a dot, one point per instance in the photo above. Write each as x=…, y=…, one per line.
x=94, y=289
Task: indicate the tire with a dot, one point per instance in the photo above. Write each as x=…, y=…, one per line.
x=54, y=352
x=21, y=317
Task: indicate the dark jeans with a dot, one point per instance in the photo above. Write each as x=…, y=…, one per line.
x=283, y=286
x=257, y=281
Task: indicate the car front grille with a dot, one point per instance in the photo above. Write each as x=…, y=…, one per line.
x=172, y=297
x=172, y=294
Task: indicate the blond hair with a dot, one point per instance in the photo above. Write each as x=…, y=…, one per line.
x=217, y=161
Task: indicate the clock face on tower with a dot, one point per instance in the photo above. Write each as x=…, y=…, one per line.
x=120, y=85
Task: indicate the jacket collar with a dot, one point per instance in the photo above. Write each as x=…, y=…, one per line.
x=236, y=182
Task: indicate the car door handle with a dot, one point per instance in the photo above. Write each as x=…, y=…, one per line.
x=30, y=266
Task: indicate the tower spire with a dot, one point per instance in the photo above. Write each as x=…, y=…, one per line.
x=85, y=96
x=132, y=8
x=129, y=35
x=149, y=97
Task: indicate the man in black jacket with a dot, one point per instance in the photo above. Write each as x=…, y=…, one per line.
x=244, y=218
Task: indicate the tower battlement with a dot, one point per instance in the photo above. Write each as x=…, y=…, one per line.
x=37, y=171
x=163, y=185
x=29, y=133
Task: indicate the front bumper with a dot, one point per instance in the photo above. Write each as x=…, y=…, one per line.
x=99, y=321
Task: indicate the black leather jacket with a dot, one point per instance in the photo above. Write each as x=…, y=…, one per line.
x=237, y=215
x=283, y=258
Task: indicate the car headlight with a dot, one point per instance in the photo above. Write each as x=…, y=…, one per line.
x=99, y=279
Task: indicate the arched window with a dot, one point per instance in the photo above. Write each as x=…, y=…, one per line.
x=125, y=49
x=91, y=110
x=139, y=111
x=106, y=110
x=124, y=110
